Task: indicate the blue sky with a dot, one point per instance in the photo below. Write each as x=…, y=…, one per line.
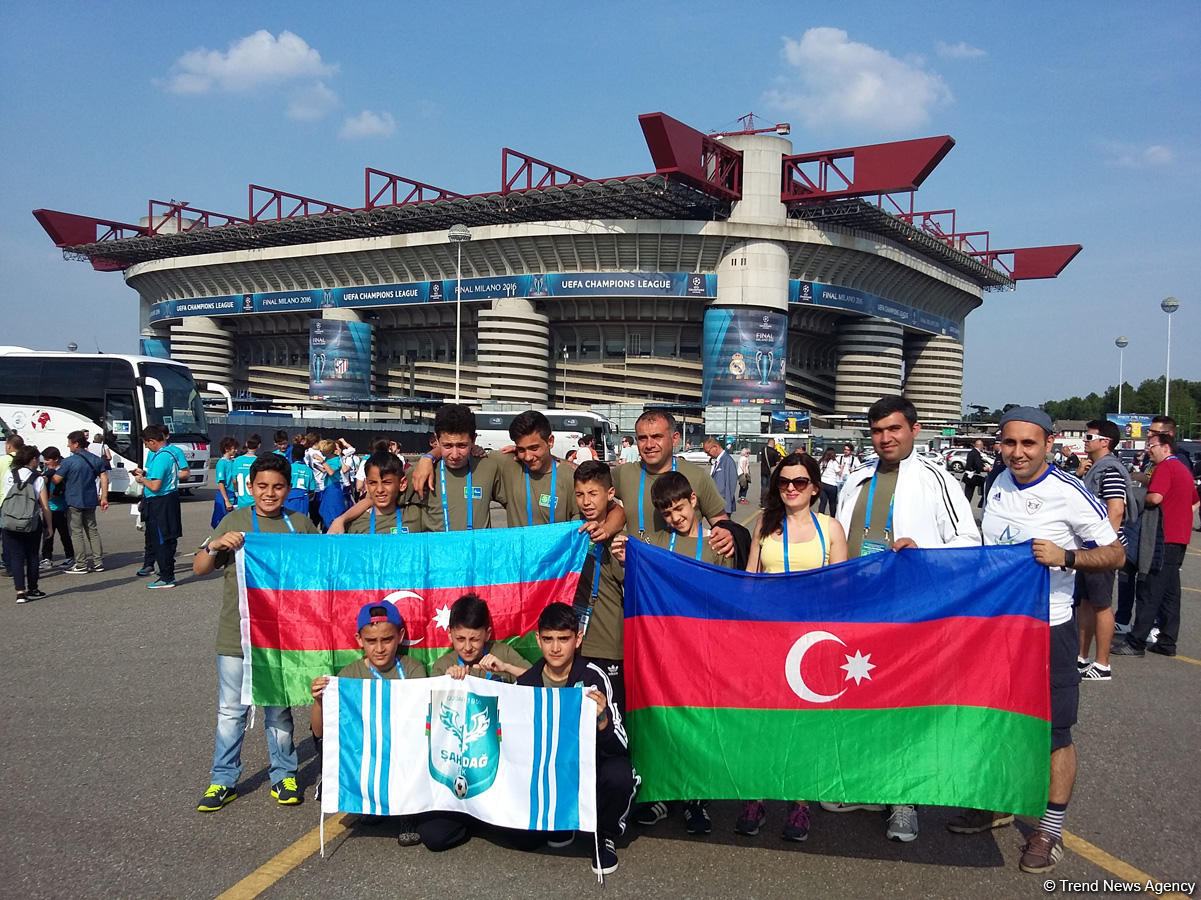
x=1074, y=123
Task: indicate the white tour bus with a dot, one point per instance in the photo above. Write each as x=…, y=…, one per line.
x=44, y=396
x=566, y=425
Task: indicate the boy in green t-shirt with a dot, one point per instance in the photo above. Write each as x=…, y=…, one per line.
x=674, y=499
x=600, y=597
x=269, y=480
x=384, y=482
x=475, y=653
x=381, y=634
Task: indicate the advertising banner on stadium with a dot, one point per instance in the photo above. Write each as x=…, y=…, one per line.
x=789, y=421
x=1134, y=427
x=744, y=356
x=835, y=297
x=339, y=360
x=579, y=284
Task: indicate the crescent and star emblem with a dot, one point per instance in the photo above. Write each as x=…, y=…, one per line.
x=396, y=597
x=857, y=667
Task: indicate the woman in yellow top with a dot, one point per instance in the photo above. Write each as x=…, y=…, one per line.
x=791, y=537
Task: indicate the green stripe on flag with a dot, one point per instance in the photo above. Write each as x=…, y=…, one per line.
x=283, y=677
x=933, y=755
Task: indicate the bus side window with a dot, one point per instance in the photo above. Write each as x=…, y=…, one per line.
x=119, y=408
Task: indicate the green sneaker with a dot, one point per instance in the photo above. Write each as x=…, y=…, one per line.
x=216, y=797
x=286, y=792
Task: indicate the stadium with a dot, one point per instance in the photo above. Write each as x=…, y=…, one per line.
x=738, y=273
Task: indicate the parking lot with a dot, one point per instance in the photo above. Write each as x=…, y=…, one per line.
x=108, y=738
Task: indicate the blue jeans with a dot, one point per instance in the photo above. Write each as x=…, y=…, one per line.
x=231, y=728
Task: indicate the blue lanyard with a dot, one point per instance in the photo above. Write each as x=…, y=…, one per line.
x=700, y=540
x=468, y=495
x=600, y=550
x=821, y=537
x=400, y=673
x=254, y=518
x=372, y=532
x=867, y=516
x=641, y=488
x=529, y=496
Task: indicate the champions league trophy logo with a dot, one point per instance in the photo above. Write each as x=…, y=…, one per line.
x=764, y=363
x=463, y=733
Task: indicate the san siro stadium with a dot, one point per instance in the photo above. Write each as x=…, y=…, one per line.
x=738, y=273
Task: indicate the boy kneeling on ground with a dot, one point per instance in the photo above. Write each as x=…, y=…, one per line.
x=559, y=640
x=381, y=634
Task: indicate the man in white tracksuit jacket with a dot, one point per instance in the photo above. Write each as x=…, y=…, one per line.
x=901, y=500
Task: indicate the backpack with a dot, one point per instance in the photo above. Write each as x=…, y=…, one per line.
x=20, y=510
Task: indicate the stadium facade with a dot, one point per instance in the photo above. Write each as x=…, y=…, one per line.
x=736, y=273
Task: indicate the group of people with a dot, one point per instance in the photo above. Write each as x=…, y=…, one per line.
x=896, y=501
x=43, y=494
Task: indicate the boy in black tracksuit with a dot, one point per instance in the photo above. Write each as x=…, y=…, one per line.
x=616, y=782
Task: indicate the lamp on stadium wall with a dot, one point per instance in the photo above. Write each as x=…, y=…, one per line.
x=458, y=235
x=564, y=376
x=1121, y=344
x=1168, y=305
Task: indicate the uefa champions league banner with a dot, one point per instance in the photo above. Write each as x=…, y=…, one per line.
x=516, y=757
x=339, y=359
x=744, y=356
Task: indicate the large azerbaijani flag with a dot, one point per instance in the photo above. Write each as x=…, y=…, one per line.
x=299, y=595
x=913, y=677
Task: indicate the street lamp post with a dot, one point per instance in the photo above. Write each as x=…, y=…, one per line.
x=1168, y=305
x=1120, y=343
x=565, y=376
x=458, y=235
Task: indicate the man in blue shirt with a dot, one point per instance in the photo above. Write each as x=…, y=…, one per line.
x=78, y=474
x=160, y=502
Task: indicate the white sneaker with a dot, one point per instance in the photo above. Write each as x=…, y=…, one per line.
x=45, y=564
x=1153, y=636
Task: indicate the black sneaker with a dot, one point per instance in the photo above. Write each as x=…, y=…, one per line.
x=1125, y=648
x=1157, y=647
x=650, y=813
x=605, y=861
x=560, y=839
x=38, y=595
x=286, y=792
x=22, y=597
x=696, y=817
x=216, y=797
x=99, y=567
x=408, y=836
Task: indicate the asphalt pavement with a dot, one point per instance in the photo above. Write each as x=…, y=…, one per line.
x=108, y=740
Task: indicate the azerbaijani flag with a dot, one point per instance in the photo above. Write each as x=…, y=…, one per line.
x=913, y=677
x=299, y=595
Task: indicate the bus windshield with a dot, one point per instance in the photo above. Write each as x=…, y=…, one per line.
x=182, y=410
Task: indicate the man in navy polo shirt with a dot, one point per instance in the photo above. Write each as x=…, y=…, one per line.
x=79, y=474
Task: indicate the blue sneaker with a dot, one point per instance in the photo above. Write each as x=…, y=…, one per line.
x=158, y=584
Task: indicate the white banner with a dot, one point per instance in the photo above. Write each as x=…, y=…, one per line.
x=517, y=757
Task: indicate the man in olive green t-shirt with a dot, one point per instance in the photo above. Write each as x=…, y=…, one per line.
x=270, y=481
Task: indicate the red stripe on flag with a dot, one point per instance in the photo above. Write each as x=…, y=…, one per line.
x=325, y=620
x=961, y=661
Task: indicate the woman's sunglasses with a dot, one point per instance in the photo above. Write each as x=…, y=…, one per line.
x=799, y=483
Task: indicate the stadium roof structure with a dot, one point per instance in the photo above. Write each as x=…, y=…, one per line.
x=697, y=177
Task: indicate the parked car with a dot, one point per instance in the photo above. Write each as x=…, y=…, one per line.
x=956, y=459
x=697, y=456
x=1130, y=459
x=932, y=456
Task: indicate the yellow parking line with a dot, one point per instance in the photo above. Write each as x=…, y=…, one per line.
x=1108, y=862
x=285, y=861
x=1194, y=590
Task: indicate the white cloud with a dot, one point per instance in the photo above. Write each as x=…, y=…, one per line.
x=1135, y=156
x=961, y=50
x=1158, y=155
x=845, y=83
x=312, y=102
x=368, y=124
x=255, y=60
